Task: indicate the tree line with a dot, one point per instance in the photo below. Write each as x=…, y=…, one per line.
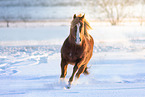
x=116, y=11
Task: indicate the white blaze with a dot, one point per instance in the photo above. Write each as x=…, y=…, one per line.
x=78, y=41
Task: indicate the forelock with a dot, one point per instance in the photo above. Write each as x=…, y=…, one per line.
x=74, y=22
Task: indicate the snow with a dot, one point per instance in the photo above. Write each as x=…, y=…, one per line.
x=30, y=62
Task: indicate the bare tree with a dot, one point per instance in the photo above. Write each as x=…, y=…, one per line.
x=113, y=10
x=6, y=19
x=142, y=12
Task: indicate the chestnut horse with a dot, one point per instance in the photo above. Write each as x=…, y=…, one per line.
x=77, y=49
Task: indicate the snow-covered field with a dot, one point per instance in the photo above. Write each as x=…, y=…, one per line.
x=30, y=62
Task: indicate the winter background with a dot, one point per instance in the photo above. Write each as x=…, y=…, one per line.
x=31, y=36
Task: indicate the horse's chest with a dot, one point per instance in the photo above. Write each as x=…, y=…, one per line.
x=73, y=55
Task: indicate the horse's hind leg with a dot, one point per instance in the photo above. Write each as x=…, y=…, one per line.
x=80, y=71
x=64, y=65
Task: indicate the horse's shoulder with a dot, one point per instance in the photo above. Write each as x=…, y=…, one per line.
x=89, y=43
x=90, y=38
x=66, y=45
x=66, y=42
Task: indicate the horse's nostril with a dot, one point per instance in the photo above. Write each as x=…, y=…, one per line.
x=78, y=39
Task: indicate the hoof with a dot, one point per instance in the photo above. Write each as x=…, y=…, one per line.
x=69, y=85
x=62, y=79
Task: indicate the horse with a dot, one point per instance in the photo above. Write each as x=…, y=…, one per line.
x=77, y=49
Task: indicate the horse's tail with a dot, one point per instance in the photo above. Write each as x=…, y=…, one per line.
x=86, y=72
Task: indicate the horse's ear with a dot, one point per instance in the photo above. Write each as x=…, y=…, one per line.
x=83, y=16
x=74, y=16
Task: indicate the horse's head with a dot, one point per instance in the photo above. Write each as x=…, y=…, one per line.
x=77, y=29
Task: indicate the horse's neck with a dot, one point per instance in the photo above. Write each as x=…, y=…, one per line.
x=70, y=38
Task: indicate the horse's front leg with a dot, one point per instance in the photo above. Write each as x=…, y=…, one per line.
x=64, y=65
x=76, y=67
x=72, y=76
x=80, y=71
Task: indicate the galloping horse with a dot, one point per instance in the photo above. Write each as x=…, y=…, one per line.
x=77, y=49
